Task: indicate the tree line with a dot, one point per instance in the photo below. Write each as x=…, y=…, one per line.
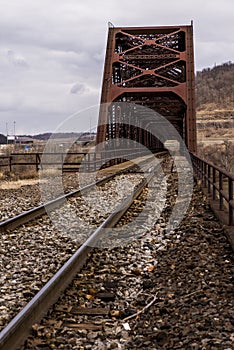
x=215, y=87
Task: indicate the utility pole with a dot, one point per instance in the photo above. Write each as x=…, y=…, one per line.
x=90, y=128
x=7, y=131
x=14, y=133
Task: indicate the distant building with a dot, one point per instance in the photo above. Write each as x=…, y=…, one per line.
x=25, y=140
x=11, y=139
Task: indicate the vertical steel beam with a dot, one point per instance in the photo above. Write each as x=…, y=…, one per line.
x=106, y=88
x=191, y=132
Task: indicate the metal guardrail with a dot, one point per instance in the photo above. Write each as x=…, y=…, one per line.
x=34, y=159
x=91, y=161
x=108, y=158
x=219, y=183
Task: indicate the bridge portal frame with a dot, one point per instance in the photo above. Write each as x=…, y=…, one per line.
x=154, y=64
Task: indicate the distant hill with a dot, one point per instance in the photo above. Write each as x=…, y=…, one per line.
x=42, y=137
x=61, y=135
x=3, y=139
x=215, y=87
x=215, y=114
x=56, y=136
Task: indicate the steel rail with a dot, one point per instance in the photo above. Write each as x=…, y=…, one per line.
x=14, y=334
x=29, y=215
x=40, y=210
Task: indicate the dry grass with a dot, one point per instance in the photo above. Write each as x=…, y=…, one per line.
x=12, y=185
x=219, y=154
x=214, y=115
x=215, y=125
x=16, y=174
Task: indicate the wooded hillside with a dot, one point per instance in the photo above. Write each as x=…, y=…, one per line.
x=215, y=87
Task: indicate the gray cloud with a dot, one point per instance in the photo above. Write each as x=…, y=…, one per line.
x=52, y=53
x=78, y=89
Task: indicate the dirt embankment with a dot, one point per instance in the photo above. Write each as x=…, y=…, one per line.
x=216, y=125
x=215, y=134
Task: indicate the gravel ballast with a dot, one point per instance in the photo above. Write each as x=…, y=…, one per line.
x=31, y=254
x=161, y=291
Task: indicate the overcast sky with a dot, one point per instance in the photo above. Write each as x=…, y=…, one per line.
x=52, y=52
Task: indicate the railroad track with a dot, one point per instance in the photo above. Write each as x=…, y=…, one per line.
x=31, y=214
x=26, y=217
x=142, y=277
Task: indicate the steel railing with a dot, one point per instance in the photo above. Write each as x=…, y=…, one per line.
x=90, y=161
x=219, y=183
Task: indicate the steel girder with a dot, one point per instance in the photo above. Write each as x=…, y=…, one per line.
x=153, y=67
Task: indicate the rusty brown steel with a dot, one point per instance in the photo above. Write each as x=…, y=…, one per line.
x=154, y=67
x=202, y=171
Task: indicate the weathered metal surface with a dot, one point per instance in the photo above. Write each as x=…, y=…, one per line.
x=153, y=67
x=217, y=184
